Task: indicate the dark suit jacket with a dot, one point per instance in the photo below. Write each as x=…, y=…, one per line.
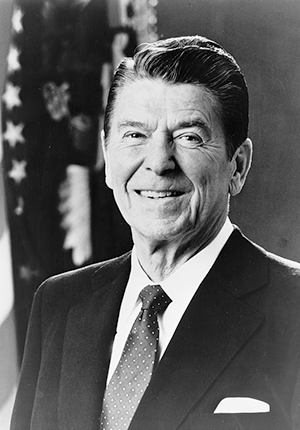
x=239, y=337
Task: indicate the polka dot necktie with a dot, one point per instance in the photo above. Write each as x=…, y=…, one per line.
x=136, y=365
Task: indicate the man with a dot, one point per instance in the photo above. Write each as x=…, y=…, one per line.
x=219, y=345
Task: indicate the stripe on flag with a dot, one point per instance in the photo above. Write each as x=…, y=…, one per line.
x=8, y=345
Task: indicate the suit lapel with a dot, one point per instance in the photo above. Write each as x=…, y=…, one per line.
x=90, y=331
x=214, y=328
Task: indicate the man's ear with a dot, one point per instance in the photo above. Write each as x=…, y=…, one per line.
x=241, y=163
x=106, y=160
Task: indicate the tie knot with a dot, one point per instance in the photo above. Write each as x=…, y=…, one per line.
x=153, y=297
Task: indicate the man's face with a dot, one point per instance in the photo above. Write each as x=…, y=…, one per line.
x=166, y=161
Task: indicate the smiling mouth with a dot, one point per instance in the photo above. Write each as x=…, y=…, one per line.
x=159, y=194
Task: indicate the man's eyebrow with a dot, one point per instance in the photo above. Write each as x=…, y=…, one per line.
x=198, y=123
x=130, y=123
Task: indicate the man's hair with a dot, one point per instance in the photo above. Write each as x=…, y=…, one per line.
x=191, y=60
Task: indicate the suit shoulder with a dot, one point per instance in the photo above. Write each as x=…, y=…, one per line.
x=284, y=269
x=283, y=265
x=74, y=285
x=281, y=271
x=252, y=265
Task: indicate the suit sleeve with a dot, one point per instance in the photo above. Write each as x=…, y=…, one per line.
x=22, y=411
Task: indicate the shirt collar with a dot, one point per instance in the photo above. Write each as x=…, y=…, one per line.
x=190, y=274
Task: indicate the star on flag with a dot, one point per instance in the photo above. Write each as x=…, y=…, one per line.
x=11, y=96
x=13, y=133
x=17, y=173
x=17, y=20
x=13, y=63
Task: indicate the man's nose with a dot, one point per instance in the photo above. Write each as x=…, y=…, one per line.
x=160, y=157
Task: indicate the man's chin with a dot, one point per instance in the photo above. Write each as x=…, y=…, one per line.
x=167, y=231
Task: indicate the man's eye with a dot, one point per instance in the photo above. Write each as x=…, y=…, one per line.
x=189, y=138
x=133, y=135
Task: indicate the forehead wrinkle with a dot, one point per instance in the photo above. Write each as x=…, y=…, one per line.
x=202, y=105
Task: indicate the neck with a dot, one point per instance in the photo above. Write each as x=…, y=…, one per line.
x=159, y=259
x=160, y=262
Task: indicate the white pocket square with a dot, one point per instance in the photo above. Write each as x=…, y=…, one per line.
x=241, y=405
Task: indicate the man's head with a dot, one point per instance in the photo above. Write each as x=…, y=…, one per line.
x=175, y=141
x=193, y=60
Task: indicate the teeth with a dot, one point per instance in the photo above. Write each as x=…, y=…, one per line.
x=158, y=194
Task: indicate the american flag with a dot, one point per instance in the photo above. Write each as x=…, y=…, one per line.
x=51, y=103
x=9, y=365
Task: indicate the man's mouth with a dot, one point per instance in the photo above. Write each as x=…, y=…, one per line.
x=159, y=194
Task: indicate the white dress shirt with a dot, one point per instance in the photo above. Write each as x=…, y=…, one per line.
x=188, y=278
